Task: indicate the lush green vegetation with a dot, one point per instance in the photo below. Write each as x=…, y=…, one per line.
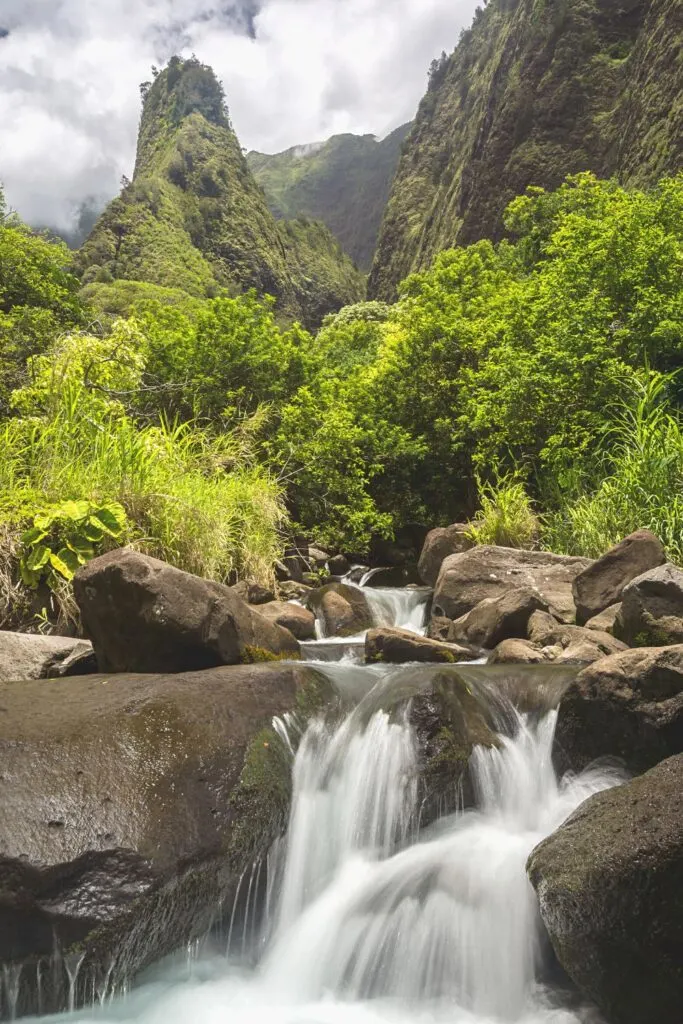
x=531, y=385
x=193, y=219
x=344, y=182
x=535, y=90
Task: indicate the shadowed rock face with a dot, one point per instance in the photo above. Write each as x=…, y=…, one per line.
x=609, y=883
x=130, y=807
x=651, y=612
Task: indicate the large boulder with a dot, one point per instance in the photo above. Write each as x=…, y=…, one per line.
x=610, y=890
x=517, y=652
x=28, y=656
x=298, y=620
x=651, y=613
x=603, y=582
x=500, y=618
x=144, y=615
x=629, y=706
x=438, y=545
x=341, y=609
x=131, y=805
x=489, y=572
x=552, y=641
x=398, y=646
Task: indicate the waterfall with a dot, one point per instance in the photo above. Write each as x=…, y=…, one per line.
x=369, y=920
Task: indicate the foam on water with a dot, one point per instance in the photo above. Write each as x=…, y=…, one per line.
x=370, y=921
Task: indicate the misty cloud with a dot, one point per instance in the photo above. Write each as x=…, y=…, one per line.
x=294, y=71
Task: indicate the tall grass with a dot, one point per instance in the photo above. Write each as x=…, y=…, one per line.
x=197, y=500
x=642, y=461
x=506, y=515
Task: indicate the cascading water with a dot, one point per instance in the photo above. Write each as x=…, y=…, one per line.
x=369, y=920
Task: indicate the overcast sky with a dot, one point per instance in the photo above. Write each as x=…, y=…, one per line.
x=294, y=71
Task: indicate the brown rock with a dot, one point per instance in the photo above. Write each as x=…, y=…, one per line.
x=489, y=572
x=602, y=583
x=605, y=620
x=341, y=609
x=651, y=613
x=516, y=652
x=500, y=618
x=294, y=617
x=399, y=646
x=145, y=616
x=629, y=706
x=439, y=543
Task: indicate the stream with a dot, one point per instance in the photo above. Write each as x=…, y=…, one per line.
x=367, y=918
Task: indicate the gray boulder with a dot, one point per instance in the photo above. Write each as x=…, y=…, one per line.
x=603, y=582
x=298, y=620
x=651, y=613
x=517, y=652
x=398, y=646
x=143, y=615
x=342, y=609
x=610, y=891
x=439, y=544
x=28, y=656
x=489, y=572
x=252, y=592
x=131, y=805
x=629, y=706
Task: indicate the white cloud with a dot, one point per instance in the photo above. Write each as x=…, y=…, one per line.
x=70, y=70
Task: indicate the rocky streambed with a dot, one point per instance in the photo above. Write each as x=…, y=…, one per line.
x=141, y=801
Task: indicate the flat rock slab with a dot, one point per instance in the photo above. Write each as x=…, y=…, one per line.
x=31, y=656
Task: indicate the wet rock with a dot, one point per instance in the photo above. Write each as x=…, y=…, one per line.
x=517, y=652
x=130, y=807
x=500, y=618
x=609, y=884
x=605, y=620
x=441, y=628
x=628, y=706
x=294, y=617
x=602, y=583
x=338, y=565
x=342, y=609
x=399, y=646
x=489, y=572
x=28, y=656
x=450, y=719
x=651, y=613
x=393, y=576
x=146, y=616
x=438, y=545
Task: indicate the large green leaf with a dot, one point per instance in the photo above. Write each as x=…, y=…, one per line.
x=111, y=519
x=81, y=546
x=32, y=536
x=92, y=532
x=65, y=562
x=37, y=558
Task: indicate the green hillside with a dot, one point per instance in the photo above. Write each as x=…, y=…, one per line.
x=193, y=217
x=344, y=182
x=535, y=90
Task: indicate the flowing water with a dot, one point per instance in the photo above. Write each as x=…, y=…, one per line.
x=369, y=920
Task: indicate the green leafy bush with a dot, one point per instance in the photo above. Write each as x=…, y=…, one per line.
x=64, y=537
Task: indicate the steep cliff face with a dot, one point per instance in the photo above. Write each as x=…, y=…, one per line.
x=535, y=90
x=193, y=217
x=344, y=182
